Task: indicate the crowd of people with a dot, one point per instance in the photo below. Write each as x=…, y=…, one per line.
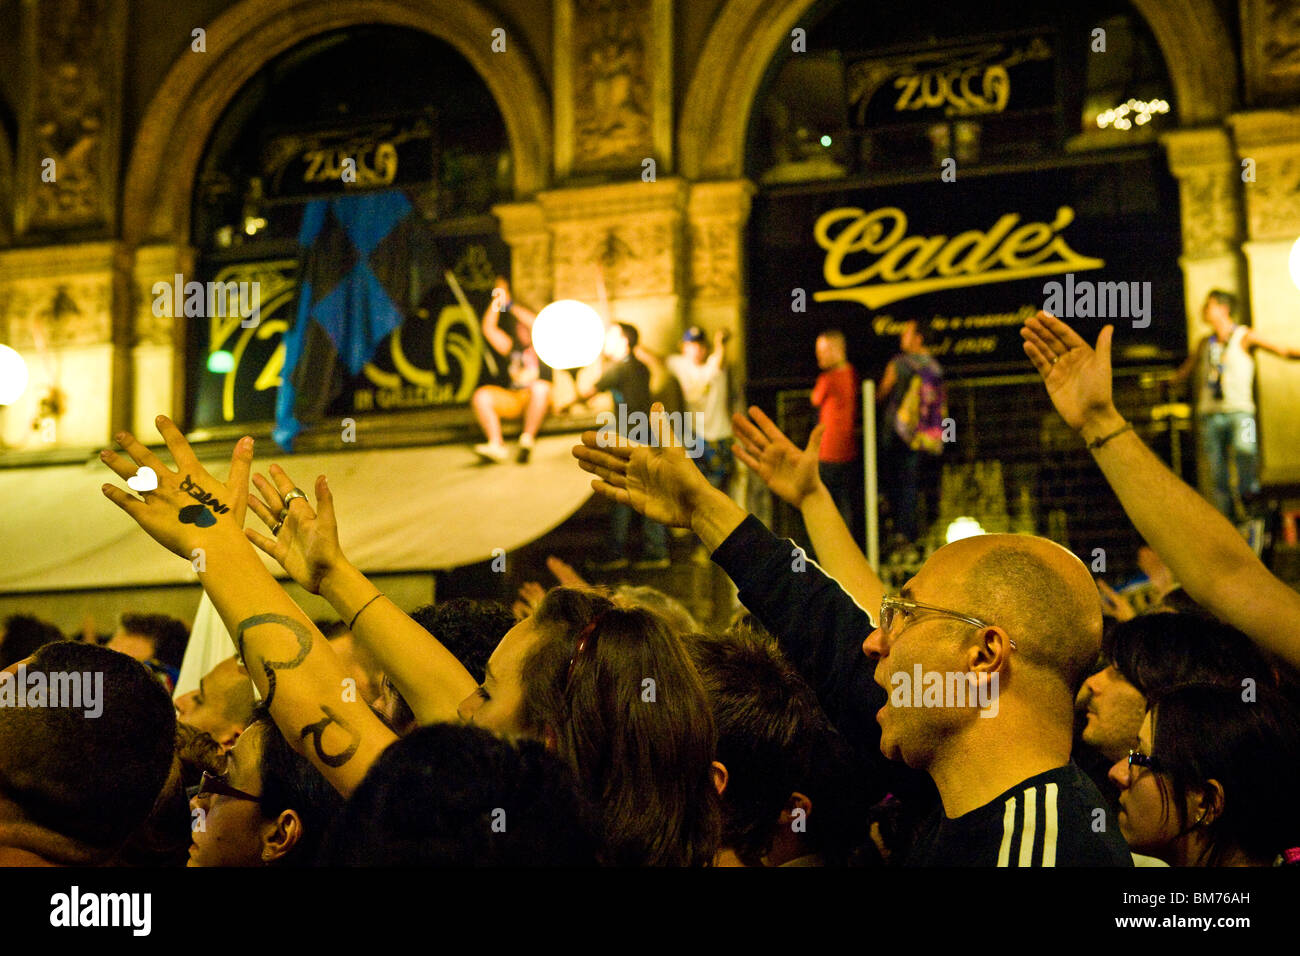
x=986, y=715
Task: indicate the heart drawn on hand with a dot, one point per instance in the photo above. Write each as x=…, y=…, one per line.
x=145, y=479
x=198, y=515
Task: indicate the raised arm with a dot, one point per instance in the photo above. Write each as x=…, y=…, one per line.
x=194, y=516
x=1203, y=550
x=792, y=475
x=492, y=331
x=819, y=626
x=1253, y=340
x=887, y=383
x=306, y=545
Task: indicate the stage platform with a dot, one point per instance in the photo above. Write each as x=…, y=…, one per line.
x=399, y=510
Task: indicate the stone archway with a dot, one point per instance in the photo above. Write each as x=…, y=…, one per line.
x=164, y=160
x=745, y=36
x=179, y=120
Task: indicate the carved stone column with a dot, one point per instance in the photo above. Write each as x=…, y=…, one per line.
x=717, y=212
x=1272, y=140
x=635, y=233
x=1209, y=181
x=153, y=347
x=523, y=227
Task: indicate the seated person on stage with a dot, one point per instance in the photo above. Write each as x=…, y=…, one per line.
x=528, y=395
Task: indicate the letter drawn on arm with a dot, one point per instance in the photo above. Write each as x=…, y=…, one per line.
x=270, y=667
x=317, y=731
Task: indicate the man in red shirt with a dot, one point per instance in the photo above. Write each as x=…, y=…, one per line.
x=836, y=397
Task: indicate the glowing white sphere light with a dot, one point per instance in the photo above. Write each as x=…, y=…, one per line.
x=962, y=527
x=13, y=375
x=568, y=334
x=1293, y=264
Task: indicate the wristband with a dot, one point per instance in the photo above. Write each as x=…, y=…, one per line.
x=362, y=608
x=1099, y=442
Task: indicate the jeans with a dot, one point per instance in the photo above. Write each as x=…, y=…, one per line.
x=1225, y=435
x=654, y=536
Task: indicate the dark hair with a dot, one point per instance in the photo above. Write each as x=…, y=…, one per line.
x=455, y=795
x=23, y=636
x=469, y=629
x=1206, y=732
x=767, y=717
x=1157, y=651
x=630, y=333
x=1225, y=299
x=290, y=782
x=164, y=837
x=168, y=634
x=93, y=779
x=634, y=723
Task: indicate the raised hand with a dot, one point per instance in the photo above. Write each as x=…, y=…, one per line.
x=659, y=480
x=531, y=595
x=306, y=540
x=791, y=474
x=565, y=574
x=188, y=509
x=1078, y=378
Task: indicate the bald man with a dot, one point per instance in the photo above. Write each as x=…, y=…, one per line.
x=972, y=679
x=223, y=704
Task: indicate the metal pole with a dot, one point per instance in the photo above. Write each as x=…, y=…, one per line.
x=869, y=504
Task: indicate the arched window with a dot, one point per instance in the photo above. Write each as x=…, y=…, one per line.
x=879, y=89
x=364, y=111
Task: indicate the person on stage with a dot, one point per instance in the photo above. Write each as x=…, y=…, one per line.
x=1224, y=364
x=527, y=391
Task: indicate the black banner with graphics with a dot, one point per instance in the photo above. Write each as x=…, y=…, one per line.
x=435, y=358
x=971, y=258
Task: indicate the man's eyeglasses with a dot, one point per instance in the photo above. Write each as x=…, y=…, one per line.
x=1142, y=760
x=210, y=785
x=893, y=611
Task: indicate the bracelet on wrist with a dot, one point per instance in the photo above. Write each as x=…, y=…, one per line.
x=1099, y=442
x=353, y=622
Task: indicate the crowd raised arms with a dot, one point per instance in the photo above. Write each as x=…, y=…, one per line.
x=833, y=723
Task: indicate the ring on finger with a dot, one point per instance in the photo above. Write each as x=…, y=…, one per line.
x=291, y=496
x=278, y=526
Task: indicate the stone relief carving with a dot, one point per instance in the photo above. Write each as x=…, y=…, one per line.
x=715, y=258
x=71, y=76
x=612, y=80
x=57, y=312
x=1273, y=200
x=1209, y=213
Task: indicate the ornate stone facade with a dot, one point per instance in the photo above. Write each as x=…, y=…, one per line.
x=68, y=134
x=613, y=85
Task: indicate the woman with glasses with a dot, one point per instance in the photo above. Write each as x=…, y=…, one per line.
x=269, y=808
x=1214, y=777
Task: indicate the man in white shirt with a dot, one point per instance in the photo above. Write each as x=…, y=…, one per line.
x=705, y=387
x=1225, y=399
